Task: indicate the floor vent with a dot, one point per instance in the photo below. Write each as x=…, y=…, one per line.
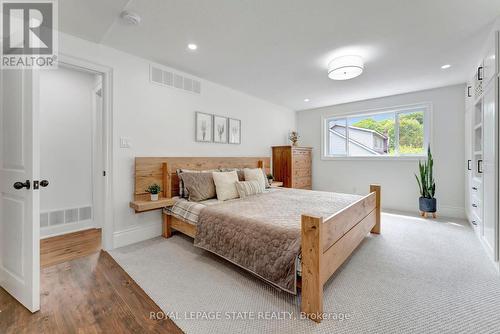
x=171, y=79
x=67, y=216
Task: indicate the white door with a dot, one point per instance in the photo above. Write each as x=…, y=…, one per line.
x=19, y=208
x=490, y=168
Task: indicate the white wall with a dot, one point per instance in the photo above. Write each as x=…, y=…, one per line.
x=66, y=138
x=399, y=188
x=160, y=122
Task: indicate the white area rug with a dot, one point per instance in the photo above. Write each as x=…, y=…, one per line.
x=418, y=276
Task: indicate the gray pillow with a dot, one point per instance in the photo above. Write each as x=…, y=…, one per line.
x=200, y=186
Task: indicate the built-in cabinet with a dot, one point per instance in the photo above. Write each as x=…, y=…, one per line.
x=482, y=148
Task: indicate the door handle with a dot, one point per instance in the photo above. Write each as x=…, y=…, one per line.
x=20, y=185
x=468, y=164
x=480, y=72
x=480, y=166
x=44, y=183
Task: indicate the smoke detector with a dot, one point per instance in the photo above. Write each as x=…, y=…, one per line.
x=130, y=17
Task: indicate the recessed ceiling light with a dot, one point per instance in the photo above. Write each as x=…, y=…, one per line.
x=307, y=100
x=192, y=46
x=130, y=17
x=444, y=67
x=345, y=67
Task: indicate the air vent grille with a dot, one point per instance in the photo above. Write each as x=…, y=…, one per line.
x=170, y=79
x=66, y=216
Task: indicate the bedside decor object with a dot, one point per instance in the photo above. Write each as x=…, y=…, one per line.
x=154, y=190
x=292, y=166
x=427, y=186
x=234, y=131
x=294, y=137
x=204, y=127
x=220, y=129
x=270, y=178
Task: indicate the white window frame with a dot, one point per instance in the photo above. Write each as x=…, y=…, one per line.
x=427, y=106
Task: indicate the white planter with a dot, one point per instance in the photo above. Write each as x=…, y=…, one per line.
x=154, y=197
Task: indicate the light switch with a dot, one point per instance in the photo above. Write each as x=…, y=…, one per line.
x=125, y=142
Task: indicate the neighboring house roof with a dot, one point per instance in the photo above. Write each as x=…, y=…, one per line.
x=352, y=141
x=361, y=129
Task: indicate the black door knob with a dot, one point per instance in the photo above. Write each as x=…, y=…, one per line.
x=44, y=183
x=21, y=185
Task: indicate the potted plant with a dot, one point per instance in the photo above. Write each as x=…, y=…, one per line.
x=427, y=186
x=154, y=190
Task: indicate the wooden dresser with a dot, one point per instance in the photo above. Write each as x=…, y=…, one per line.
x=292, y=166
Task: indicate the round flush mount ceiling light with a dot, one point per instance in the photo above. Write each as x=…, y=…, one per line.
x=307, y=100
x=192, y=46
x=345, y=67
x=447, y=66
x=130, y=17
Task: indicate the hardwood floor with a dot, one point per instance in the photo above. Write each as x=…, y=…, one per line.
x=69, y=246
x=91, y=294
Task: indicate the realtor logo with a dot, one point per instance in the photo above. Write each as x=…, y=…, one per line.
x=29, y=34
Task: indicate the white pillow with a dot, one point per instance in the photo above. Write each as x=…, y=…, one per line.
x=255, y=174
x=225, y=185
x=249, y=188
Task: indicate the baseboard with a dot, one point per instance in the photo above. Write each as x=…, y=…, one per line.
x=136, y=234
x=451, y=211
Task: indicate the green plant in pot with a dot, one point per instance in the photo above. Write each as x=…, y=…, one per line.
x=270, y=178
x=154, y=190
x=427, y=186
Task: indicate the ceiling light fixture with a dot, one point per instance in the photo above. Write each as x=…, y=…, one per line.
x=130, y=17
x=345, y=67
x=444, y=67
x=306, y=100
x=192, y=46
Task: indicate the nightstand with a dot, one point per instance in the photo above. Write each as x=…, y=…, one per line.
x=276, y=184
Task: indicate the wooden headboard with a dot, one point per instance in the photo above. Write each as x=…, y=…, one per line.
x=163, y=170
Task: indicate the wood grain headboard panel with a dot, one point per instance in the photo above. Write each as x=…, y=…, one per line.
x=163, y=170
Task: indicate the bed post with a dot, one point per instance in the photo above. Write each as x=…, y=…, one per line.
x=312, y=286
x=376, y=189
x=167, y=223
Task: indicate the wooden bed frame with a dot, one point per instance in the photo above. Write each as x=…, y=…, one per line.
x=326, y=242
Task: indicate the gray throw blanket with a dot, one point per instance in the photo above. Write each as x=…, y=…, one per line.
x=261, y=233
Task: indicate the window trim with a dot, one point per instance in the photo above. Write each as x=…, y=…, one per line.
x=428, y=111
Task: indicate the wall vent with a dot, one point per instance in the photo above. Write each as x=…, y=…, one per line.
x=170, y=79
x=66, y=216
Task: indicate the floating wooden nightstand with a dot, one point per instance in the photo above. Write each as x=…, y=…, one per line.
x=148, y=205
x=276, y=184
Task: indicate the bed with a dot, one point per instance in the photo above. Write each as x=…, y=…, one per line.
x=293, y=239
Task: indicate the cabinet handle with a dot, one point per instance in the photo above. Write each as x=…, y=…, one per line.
x=469, y=93
x=474, y=222
x=474, y=188
x=480, y=74
x=474, y=205
x=480, y=166
x=469, y=164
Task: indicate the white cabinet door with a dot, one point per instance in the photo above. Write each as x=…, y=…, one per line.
x=490, y=180
x=468, y=162
x=19, y=208
x=489, y=60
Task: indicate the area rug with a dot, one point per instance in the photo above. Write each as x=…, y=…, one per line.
x=418, y=276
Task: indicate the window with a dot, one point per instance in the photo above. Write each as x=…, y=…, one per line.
x=395, y=132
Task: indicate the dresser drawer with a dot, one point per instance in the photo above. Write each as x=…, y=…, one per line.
x=302, y=172
x=301, y=152
x=302, y=182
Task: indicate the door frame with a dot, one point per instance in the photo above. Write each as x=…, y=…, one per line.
x=107, y=110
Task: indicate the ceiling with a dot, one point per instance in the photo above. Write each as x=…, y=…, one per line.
x=278, y=50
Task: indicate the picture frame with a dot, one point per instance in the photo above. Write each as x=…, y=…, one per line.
x=204, y=127
x=220, y=131
x=234, y=131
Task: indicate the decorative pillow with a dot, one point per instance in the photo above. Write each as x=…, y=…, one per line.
x=225, y=185
x=183, y=192
x=249, y=188
x=200, y=186
x=241, y=174
x=256, y=174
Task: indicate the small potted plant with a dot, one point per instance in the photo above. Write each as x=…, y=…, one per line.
x=154, y=190
x=294, y=137
x=427, y=186
x=270, y=178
